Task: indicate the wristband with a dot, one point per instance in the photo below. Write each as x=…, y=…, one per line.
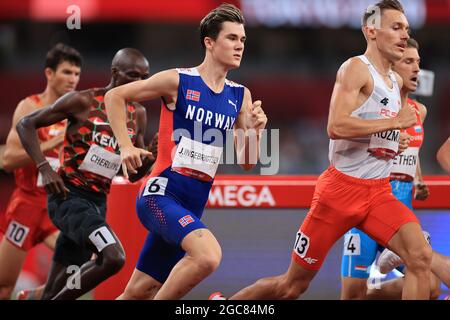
x=39, y=165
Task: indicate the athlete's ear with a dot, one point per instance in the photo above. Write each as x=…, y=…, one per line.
x=369, y=32
x=114, y=71
x=208, y=42
x=49, y=72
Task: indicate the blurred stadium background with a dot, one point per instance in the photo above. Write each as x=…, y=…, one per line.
x=293, y=51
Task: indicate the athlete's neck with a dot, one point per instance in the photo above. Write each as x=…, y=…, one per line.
x=404, y=94
x=213, y=75
x=382, y=64
x=49, y=96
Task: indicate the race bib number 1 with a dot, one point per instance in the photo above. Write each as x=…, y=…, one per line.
x=102, y=238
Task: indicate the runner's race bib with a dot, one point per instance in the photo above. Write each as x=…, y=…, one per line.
x=406, y=162
x=384, y=144
x=54, y=163
x=101, y=161
x=196, y=159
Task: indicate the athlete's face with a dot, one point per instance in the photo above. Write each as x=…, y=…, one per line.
x=391, y=37
x=408, y=68
x=129, y=73
x=228, y=48
x=64, y=79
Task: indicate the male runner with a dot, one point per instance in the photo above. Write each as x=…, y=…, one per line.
x=200, y=104
x=77, y=195
x=26, y=223
x=364, y=121
x=360, y=250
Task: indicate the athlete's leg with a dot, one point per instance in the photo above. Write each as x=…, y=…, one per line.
x=141, y=286
x=394, y=225
x=50, y=241
x=109, y=261
x=387, y=290
x=57, y=279
x=12, y=259
x=392, y=289
x=410, y=245
x=156, y=260
x=334, y=210
x=359, y=253
x=440, y=266
x=203, y=255
x=288, y=286
x=36, y=293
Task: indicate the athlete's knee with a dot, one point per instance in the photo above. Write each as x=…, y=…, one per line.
x=113, y=258
x=209, y=262
x=6, y=292
x=419, y=259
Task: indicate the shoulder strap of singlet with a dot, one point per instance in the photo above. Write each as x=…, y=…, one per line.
x=188, y=71
x=364, y=59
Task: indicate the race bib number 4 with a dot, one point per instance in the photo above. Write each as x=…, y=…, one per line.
x=101, y=161
x=54, y=163
x=352, y=244
x=384, y=144
x=197, y=156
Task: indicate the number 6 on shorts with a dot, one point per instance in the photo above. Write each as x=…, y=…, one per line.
x=156, y=186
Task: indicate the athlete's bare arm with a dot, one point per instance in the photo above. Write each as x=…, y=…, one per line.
x=163, y=84
x=443, y=156
x=147, y=162
x=353, y=86
x=72, y=106
x=15, y=155
x=251, y=116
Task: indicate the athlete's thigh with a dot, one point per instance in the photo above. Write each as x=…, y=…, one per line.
x=22, y=222
x=12, y=259
x=385, y=218
x=158, y=257
x=166, y=217
x=322, y=227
